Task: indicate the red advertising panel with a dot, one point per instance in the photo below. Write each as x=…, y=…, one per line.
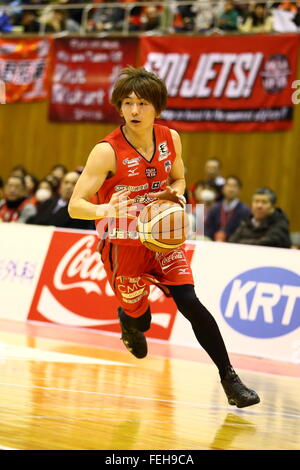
x=236, y=83
x=73, y=289
x=25, y=69
x=84, y=72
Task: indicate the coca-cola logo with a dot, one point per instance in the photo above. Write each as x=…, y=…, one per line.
x=81, y=261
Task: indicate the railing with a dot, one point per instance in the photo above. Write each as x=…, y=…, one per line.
x=166, y=18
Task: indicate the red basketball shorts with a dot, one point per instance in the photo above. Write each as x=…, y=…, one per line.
x=130, y=271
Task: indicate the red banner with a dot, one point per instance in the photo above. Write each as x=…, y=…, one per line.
x=25, y=69
x=84, y=72
x=219, y=83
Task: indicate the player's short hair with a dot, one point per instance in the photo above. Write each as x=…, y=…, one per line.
x=146, y=85
x=267, y=192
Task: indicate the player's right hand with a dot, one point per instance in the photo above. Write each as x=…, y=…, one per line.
x=120, y=205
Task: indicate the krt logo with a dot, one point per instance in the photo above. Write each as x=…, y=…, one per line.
x=227, y=74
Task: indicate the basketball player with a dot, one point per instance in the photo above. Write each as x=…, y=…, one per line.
x=137, y=160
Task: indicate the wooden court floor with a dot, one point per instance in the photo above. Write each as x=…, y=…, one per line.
x=87, y=392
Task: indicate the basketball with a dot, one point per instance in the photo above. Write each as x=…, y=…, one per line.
x=163, y=226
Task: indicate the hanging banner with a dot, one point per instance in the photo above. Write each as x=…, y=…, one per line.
x=25, y=68
x=84, y=72
x=225, y=83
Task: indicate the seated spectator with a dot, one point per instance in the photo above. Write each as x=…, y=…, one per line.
x=150, y=17
x=184, y=18
x=228, y=20
x=15, y=207
x=44, y=191
x=258, y=21
x=19, y=170
x=31, y=183
x=5, y=24
x=54, y=211
x=29, y=21
x=225, y=216
x=204, y=196
x=267, y=226
x=107, y=18
x=59, y=21
x=212, y=170
x=58, y=171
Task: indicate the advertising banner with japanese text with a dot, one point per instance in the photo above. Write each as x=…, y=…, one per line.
x=83, y=74
x=221, y=83
x=25, y=69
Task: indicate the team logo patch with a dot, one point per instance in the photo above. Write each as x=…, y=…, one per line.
x=151, y=172
x=168, y=166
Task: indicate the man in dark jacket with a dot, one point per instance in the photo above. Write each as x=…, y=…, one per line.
x=267, y=226
x=54, y=211
x=224, y=217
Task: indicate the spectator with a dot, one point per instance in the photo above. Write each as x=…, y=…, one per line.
x=107, y=18
x=29, y=22
x=58, y=171
x=59, y=21
x=267, y=226
x=212, y=171
x=5, y=24
x=228, y=20
x=204, y=196
x=258, y=21
x=16, y=207
x=54, y=211
x=150, y=17
x=44, y=191
x=31, y=183
x=184, y=18
x=19, y=170
x=225, y=216
x=54, y=182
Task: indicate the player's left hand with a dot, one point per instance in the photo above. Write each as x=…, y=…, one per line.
x=170, y=194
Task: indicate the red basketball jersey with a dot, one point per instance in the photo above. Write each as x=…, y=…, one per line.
x=138, y=175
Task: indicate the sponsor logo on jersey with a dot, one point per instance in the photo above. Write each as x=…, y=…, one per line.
x=133, y=172
x=263, y=302
x=150, y=172
x=131, y=162
x=163, y=151
x=141, y=187
x=155, y=185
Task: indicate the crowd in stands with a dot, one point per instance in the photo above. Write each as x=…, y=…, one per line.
x=226, y=218
x=25, y=199
x=214, y=207
x=208, y=17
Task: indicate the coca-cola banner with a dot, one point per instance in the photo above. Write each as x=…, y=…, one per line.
x=73, y=289
x=25, y=69
x=84, y=72
x=57, y=277
x=236, y=83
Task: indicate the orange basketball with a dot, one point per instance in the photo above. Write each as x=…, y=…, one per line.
x=163, y=226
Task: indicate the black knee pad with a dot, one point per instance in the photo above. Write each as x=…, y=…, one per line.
x=141, y=323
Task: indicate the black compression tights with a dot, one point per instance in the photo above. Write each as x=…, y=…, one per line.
x=203, y=323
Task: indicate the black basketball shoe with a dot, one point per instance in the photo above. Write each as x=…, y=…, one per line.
x=133, y=339
x=237, y=393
